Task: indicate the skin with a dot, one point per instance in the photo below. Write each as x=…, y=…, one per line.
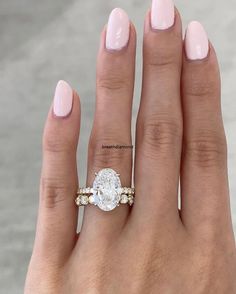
x=153, y=248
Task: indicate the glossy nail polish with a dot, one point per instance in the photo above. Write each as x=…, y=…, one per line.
x=196, y=41
x=63, y=99
x=162, y=14
x=118, y=30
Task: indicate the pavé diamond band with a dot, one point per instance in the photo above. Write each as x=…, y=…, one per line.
x=106, y=193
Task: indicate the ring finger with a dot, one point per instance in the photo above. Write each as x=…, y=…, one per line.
x=112, y=122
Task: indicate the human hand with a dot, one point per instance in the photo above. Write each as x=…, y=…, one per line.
x=153, y=247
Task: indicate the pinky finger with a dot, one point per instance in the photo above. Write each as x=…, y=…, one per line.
x=205, y=193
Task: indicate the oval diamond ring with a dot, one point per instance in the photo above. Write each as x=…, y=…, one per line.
x=106, y=193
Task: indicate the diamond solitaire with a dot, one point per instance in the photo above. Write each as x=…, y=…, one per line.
x=107, y=192
x=107, y=189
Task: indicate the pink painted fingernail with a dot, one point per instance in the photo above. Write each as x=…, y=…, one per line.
x=162, y=14
x=63, y=99
x=196, y=41
x=118, y=30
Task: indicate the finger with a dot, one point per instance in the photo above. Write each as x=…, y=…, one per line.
x=204, y=184
x=112, y=122
x=159, y=124
x=57, y=219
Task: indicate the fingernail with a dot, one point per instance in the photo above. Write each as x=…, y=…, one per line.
x=118, y=30
x=162, y=14
x=63, y=99
x=196, y=41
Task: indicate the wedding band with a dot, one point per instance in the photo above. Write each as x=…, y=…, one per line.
x=106, y=193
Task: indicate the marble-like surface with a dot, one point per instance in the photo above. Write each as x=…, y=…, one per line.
x=43, y=41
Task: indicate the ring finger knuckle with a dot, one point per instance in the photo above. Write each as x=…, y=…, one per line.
x=102, y=154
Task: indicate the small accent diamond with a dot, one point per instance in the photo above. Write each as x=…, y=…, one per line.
x=131, y=200
x=124, y=199
x=77, y=201
x=128, y=190
x=84, y=200
x=87, y=190
x=91, y=200
x=125, y=190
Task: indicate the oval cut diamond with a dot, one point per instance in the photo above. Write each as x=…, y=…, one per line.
x=107, y=189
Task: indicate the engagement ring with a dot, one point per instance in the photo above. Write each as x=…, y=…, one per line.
x=106, y=193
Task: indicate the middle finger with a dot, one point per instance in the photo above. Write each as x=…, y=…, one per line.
x=159, y=124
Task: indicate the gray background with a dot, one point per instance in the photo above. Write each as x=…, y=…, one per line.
x=44, y=41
